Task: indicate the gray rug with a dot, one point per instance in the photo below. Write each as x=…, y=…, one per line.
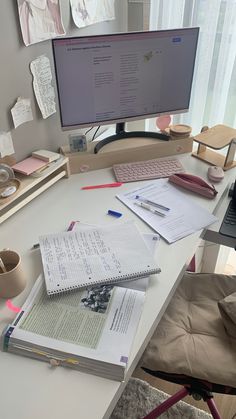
x=139, y=398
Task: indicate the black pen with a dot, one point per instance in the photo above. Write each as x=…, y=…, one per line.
x=147, y=207
x=155, y=204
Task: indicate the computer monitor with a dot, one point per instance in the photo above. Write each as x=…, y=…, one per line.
x=115, y=78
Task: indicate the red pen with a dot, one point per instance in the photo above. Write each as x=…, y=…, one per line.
x=106, y=185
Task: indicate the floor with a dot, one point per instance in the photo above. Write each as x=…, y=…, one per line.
x=226, y=404
x=230, y=267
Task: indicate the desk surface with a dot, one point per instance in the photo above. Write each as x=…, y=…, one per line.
x=32, y=389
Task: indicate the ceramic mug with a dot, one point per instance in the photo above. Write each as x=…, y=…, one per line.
x=12, y=276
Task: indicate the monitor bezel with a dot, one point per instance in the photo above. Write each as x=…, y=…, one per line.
x=124, y=119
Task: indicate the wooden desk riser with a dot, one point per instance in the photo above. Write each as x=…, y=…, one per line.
x=124, y=151
x=210, y=140
x=30, y=388
x=31, y=187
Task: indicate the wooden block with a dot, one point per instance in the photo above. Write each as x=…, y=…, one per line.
x=124, y=151
x=9, y=160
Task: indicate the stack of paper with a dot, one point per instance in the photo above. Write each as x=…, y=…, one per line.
x=91, y=331
x=184, y=216
x=46, y=155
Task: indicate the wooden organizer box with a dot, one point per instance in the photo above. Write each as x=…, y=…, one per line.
x=216, y=138
x=30, y=187
x=124, y=151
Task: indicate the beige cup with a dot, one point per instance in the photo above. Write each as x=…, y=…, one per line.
x=13, y=281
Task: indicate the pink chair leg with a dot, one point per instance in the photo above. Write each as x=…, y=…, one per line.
x=167, y=404
x=213, y=409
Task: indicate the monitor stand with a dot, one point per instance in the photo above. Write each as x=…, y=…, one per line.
x=122, y=134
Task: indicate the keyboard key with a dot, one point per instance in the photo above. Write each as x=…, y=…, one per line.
x=148, y=169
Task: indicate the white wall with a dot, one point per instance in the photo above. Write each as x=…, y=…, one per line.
x=16, y=78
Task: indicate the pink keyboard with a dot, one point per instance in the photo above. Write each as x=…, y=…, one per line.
x=148, y=169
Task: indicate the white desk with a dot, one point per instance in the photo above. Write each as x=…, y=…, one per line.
x=31, y=389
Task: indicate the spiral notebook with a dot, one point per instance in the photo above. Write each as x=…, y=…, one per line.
x=101, y=255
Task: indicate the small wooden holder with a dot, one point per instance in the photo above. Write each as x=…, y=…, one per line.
x=12, y=182
x=29, y=187
x=216, y=138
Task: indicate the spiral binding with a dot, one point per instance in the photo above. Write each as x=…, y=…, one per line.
x=106, y=282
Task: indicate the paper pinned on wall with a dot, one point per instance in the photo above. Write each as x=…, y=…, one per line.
x=21, y=112
x=44, y=91
x=6, y=144
x=40, y=20
x=88, y=12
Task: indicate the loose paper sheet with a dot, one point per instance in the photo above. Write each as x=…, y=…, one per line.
x=6, y=144
x=21, y=112
x=151, y=240
x=40, y=20
x=43, y=89
x=88, y=12
x=184, y=218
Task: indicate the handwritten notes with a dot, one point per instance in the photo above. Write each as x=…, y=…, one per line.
x=44, y=91
x=84, y=251
x=93, y=256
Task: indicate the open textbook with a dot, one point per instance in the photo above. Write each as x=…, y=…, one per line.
x=95, y=255
x=90, y=330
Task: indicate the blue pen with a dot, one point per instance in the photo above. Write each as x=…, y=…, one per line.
x=147, y=201
x=114, y=213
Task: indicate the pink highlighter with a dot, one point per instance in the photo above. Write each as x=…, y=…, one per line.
x=105, y=185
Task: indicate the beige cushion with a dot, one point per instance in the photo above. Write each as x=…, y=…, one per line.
x=191, y=338
x=227, y=308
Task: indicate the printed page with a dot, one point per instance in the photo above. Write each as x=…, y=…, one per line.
x=184, y=217
x=88, y=12
x=99, y=323
x=90, y=256
x=40, y=20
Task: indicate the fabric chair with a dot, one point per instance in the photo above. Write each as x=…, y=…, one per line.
x=195, y=342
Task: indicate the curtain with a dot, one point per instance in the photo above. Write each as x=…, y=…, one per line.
x=213, y=98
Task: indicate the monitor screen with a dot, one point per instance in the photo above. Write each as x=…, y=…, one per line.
x=106, y=79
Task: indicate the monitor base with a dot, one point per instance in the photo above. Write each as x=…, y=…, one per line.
x=122, y=134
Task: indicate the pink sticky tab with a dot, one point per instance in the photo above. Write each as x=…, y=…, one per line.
x=72, y=225
x=12, y=307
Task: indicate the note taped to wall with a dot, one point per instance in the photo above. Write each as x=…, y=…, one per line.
x=44, y=91
x=21, y=112
x=6, y=144
x=88, y=12
x=40, y=20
